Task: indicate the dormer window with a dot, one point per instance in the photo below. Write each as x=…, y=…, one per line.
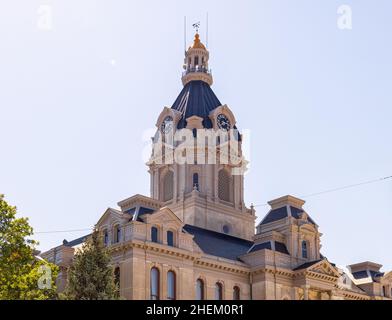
x=106, y=238
x=304, y=249
x=154, y=234
x=170, y=238
x=117, y=234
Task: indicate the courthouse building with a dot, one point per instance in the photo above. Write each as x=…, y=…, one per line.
x=194, y=237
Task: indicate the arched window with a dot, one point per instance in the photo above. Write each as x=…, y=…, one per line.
x=171, y=285
x=154, y=284
x=304, y=249
x=154, y=234
x=196, y=61
x=224, y=186
x=195, y=181
x=168, y=186
x=106, y=238
x=117, y=234
x=170, y=238
x=236, y=293
x=218, y=291
x=117, y=277
x=194, y=132
x=199, y=289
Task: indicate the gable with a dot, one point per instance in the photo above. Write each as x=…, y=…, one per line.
x=324, y=267
x=164, y=216
x=387, y=277
x=112, y=216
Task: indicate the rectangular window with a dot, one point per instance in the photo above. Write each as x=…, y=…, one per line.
x=170, y=238
x=154, y=234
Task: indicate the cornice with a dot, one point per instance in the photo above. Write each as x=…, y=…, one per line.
x=179, y=253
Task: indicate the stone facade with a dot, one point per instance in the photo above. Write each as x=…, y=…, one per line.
x=194, y=237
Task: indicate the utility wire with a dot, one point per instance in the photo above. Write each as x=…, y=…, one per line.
x=63, y=231
x=337, y=189
x=258, y=205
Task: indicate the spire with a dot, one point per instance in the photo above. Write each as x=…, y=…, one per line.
x=196, y=63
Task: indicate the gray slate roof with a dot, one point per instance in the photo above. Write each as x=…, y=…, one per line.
x=282, y=213
x=306, y=265
x=75, y=242
x=279, y=247
x=219, y=244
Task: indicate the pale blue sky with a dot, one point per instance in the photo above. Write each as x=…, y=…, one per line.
x=75, y=101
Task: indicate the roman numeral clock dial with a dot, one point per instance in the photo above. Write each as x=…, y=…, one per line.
x=167, y=125
x=223, y=122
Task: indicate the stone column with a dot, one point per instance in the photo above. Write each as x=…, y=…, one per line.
x=306, y=292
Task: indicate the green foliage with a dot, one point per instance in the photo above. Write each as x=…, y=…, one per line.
x=20, y=272
x=91, y=276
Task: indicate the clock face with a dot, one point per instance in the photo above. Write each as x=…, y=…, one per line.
x=223, y=122
x=167, y=124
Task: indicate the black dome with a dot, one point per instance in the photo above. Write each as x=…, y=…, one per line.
x=196, y=99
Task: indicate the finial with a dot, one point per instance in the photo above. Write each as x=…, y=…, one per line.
x=197, y=43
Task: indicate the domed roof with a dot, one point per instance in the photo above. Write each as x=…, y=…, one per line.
x=196, y=99
x=197, y=44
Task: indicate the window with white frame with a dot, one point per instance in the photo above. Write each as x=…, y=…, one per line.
x=154, y=284
x=199, y=289
x=171, y=285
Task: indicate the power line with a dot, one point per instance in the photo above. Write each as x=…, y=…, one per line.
x=258, y=205
x=347, y=187
x=337, y=189
x=63, y=231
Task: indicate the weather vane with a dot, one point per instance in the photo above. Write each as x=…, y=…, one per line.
x=196, y=26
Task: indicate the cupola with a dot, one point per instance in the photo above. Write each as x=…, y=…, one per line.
x=196, y=63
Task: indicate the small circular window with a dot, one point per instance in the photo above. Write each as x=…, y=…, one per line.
x=226, y=228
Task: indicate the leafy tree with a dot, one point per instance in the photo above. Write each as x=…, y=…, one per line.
x=91, y=276
x=22, y=275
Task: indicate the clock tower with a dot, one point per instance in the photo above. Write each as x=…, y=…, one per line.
x=197, y=167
